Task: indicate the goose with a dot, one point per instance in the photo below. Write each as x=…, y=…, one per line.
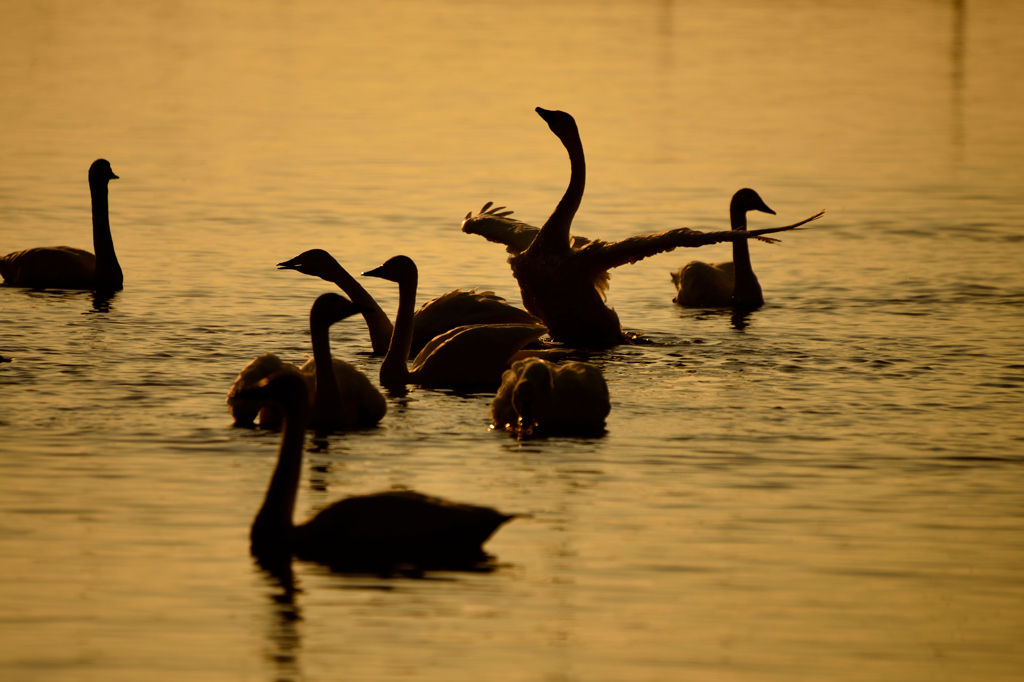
x=467, y=356
x=343, y=397
x=376, y=531
x=719, y=285
x=564, y=280
x=538, y=395
x=448, y=311
x=65, y=267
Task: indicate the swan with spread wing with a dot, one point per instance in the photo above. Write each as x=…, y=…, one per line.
x=563, y=279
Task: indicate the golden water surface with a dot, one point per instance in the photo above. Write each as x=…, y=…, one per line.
x=826, y=489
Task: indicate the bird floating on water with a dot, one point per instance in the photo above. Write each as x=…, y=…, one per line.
x=454, y=309
x=720, y=285
x=540, y=397
x=66, y=267
x=342, y=396
x=464, y=357
x=563, y=280
x=377, y=532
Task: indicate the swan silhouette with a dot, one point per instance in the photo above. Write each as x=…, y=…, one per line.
x=467, y=356
x=719, y=285
x=539, y=396
x=343, y=397
x=563, y=280
x=367, y=531
x=65, y=267
x=448, y=311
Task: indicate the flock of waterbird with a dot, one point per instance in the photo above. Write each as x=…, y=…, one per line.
x=463, y=339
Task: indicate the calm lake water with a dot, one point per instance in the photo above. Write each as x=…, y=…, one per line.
x=827, y=489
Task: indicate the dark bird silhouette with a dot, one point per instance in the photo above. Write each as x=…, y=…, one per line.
x=719, y=285
x=65, y=267
x=342, y=396
x=537, y=396
x=563, y=280
x=367, y=532
x=446, y=312
x=469, y=356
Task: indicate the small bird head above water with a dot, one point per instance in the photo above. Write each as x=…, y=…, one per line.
x=560, y=122
x=331, y=308
x=748, y=200
x=313, y=262
x=395, y=269
x=100, y=171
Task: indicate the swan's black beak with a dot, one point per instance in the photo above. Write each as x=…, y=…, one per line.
x=113, y=177
x=763, y=208
x=288, y=265
x=376, y=272
x=545, y=114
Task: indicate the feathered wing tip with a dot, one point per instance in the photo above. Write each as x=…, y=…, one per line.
x=495, y=225
x=756, y=234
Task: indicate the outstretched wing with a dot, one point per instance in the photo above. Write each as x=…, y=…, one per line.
x=603, y=256
x=495, y=225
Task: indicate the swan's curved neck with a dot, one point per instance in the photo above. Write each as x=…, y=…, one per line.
x=328, y=396
x=394, y=370
x=108, y=270
x=272, y=529
x=746, y=290
x=377, y=321
x=555, y=232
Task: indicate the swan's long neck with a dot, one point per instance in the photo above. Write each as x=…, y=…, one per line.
x=108, y=270
x=328, y=396
x=746, y=290
x=272, y=529
x=555, y=232
x=377, y=321
x=395, y=369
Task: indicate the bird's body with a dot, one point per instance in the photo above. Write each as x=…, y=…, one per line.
x=732, y=283
x=342, y=396
x=367, y=532
x=468, y=356
x=454, y=309
x=562, y=278
x=66, y=267
x=540, y=396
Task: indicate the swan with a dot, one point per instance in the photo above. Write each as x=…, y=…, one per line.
x=448, y=311
x=471, y=355
x=65, y=267
x=386, y=528
x=343, y=397
x=719, y=285
x=563, y=280
x=539, y=395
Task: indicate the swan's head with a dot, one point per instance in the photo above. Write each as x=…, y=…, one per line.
x=561, y=123
x=316, y=262
x=331, y=308
x=396, y=269
x=748, y=200
x=286, y=389
x=100, y=172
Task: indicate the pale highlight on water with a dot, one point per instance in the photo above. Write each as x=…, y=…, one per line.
x=828, y=488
